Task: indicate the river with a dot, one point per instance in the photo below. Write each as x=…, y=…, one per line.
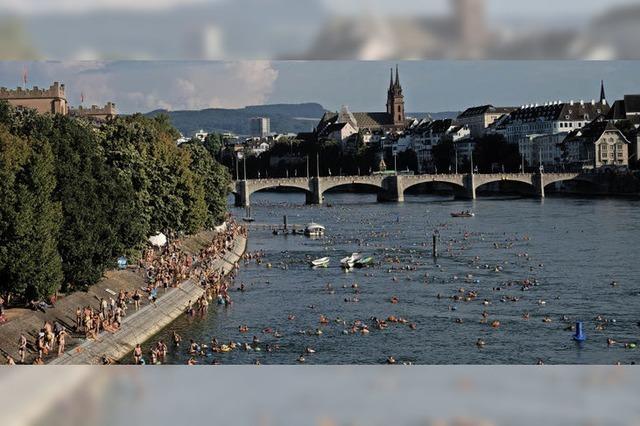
x=571, y=249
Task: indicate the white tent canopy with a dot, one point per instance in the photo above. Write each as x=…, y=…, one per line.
x=158, y=240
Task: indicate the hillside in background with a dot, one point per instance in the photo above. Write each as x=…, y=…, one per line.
x=285, y=118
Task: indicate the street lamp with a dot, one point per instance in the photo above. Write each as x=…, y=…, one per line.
x=244, y=165
x=456, y=160
x=395, y=163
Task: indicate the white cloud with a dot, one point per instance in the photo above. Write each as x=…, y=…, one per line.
x=144, y=86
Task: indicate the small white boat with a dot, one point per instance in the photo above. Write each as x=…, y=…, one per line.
x=363, y=261
x=349, y=261
x=314, y=230
x=323, y=261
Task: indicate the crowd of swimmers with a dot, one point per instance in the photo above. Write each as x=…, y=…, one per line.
x=202, y=268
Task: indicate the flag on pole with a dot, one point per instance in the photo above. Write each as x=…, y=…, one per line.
x=24, y=75
x=81, y=97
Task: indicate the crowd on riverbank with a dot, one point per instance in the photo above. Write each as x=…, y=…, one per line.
x=163, y=268
x=203, y=269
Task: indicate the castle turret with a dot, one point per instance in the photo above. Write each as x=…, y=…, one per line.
x=51, y=100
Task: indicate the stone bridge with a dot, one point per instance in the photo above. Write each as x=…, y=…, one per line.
x=392, y=187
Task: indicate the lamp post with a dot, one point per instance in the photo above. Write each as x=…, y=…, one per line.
x=540, y=160
x=395, y=163
x=307, y=157
x=244, y=165
x=456, y=160
x=236, y=166
x=471, y=162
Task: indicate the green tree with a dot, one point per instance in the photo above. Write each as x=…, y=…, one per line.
x=443, y=155
x=89, y=243
x=29, y=218
x=214, y=179
x=493, y=150
x=213, y=143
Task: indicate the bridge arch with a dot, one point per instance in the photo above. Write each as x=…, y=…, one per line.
x=552, y=178
x=328, y=183
x=253, y=190
x=454, y=183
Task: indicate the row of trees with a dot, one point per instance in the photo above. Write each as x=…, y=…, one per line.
x=74, y=197
x=489, y=151
x=289, y=157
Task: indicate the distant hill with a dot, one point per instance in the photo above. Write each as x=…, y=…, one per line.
x=285, y=118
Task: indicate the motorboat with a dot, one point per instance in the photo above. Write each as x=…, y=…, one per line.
x=314, y=230
x=322, y=262
x=349, y=261
x=363, y=261
x=466, y=213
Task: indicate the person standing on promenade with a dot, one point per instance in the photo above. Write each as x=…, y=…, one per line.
x=137, y=354
x=61, y=341
x=136, y=299
x=103, y=306
x=78, y=319
x=22, y=347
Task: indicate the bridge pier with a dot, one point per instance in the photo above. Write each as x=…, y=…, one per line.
x=315, y=195
x=538, y=184
x=241, y=199
x=469, y=192
x=392, y=190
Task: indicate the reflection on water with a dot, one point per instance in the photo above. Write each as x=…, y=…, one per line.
x=554, y=261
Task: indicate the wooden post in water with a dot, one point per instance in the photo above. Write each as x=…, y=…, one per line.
x=435, y=244
x=284, y=220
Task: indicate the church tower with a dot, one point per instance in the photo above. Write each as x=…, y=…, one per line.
x=395, y=100
x=603, y=97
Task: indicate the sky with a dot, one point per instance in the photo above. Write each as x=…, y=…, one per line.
x=496, y=8
x=429, y=86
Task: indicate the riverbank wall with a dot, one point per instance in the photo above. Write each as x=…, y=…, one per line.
x=139, y=326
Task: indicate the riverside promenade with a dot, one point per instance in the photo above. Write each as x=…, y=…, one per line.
x=29, y=322
x=139, y=326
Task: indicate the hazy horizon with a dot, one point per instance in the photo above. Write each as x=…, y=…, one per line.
x=429, y=86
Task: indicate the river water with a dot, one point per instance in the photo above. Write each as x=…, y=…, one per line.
x=571, y=249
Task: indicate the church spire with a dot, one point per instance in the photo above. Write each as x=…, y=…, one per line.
x=397, y=77
x=391, y=78
x=603, y=98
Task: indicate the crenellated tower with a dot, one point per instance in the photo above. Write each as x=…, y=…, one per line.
x=395, y=100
